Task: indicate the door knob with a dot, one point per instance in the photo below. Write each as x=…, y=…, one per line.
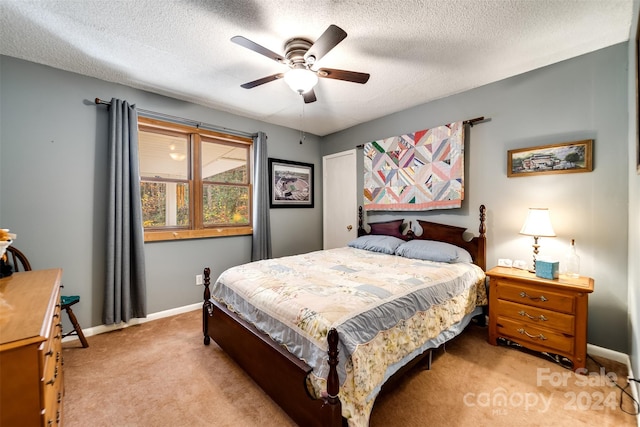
x=349, y=227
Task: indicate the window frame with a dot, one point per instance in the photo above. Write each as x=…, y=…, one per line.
x=197, y=229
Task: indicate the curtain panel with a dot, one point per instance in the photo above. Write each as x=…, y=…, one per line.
x=125, y=288
x=261, y=238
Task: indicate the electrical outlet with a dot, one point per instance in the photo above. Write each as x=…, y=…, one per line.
x=198, y=279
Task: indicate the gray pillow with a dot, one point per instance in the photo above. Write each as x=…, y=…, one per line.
x=432, y=250
x=377, y=243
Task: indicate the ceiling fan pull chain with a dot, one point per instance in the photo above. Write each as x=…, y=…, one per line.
x=302, y=136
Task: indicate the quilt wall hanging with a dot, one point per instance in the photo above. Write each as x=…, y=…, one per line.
x=423, y=170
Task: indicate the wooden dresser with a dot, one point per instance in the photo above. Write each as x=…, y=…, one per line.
x=540, y=314
x=31, y=380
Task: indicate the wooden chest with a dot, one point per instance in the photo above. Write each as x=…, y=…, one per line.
x=31, y=378
x=540, y=314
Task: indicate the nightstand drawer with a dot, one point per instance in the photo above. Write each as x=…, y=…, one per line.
x=535, y=296
x=537, y=316
x=530, y=335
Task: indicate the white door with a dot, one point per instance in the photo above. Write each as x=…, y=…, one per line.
x=340, y=200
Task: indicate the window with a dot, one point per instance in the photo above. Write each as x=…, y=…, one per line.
x=193, y=182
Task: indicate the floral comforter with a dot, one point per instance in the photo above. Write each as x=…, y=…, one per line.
x=387, y=309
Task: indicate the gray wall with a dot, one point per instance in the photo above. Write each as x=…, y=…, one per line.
x=53, y=179
x=583, y=98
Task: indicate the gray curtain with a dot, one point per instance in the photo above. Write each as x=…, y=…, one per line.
x=125, y=289
x=261, y=241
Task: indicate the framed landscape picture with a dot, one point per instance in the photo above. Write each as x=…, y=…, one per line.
x=567, y=157
x=291, y=184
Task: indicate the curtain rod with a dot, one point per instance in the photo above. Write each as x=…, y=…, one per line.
x=181, y=120
x=472, y=122
x=469, y=122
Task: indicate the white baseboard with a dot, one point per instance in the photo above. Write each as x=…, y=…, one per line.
x=616, y=356
x=101, y=329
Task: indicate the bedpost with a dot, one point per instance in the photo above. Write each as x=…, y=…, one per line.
x=207, y=307
x=332, y=407
x=333, y=383
x=361, y=231
x=482, y=245
x=410, y=234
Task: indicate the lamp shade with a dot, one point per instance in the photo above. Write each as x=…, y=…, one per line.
x=301, y=80
x=538, y=223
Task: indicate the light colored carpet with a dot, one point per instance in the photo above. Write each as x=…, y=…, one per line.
x=160, y=374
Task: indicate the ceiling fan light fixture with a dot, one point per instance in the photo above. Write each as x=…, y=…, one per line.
x=301, y=80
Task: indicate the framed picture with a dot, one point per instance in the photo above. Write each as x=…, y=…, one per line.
x=567, y=157
x=291, y=184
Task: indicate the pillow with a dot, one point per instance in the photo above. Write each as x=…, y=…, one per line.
x=383, y=244
x=387, y=228
x=432, y=250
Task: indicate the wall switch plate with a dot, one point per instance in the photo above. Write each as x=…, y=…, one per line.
x=198, y=279
x=505, y=262
x=520, y=264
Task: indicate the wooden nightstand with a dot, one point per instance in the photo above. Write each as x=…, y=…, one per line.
x=543, y=315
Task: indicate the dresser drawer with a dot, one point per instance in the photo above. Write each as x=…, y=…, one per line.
x=53, y=414
x=532, y=336
x=536, y=316
x=53, y=390
x=53, y=343
x=52, y=386
x=535, y=296
x=52, y=372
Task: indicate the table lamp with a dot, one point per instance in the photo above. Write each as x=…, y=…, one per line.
x=537, y=224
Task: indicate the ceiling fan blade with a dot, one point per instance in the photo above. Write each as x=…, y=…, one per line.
x=244, y=42
x=309, y=97
x=348, y=76
x=262, y=81
x=327, y=41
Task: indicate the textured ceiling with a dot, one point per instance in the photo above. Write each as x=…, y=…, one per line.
x=415, y=50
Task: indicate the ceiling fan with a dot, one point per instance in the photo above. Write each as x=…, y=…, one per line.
x=300, y=56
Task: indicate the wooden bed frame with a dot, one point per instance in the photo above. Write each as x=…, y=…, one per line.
x=283, y=376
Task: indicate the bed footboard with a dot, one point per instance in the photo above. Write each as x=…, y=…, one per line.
x=280, y=374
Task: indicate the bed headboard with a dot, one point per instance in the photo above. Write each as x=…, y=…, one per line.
x=477, y=246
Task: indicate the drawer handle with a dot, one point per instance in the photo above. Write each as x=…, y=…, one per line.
x=541, y=317
x=52, y=381
x=542, y=298
x=535, y=337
